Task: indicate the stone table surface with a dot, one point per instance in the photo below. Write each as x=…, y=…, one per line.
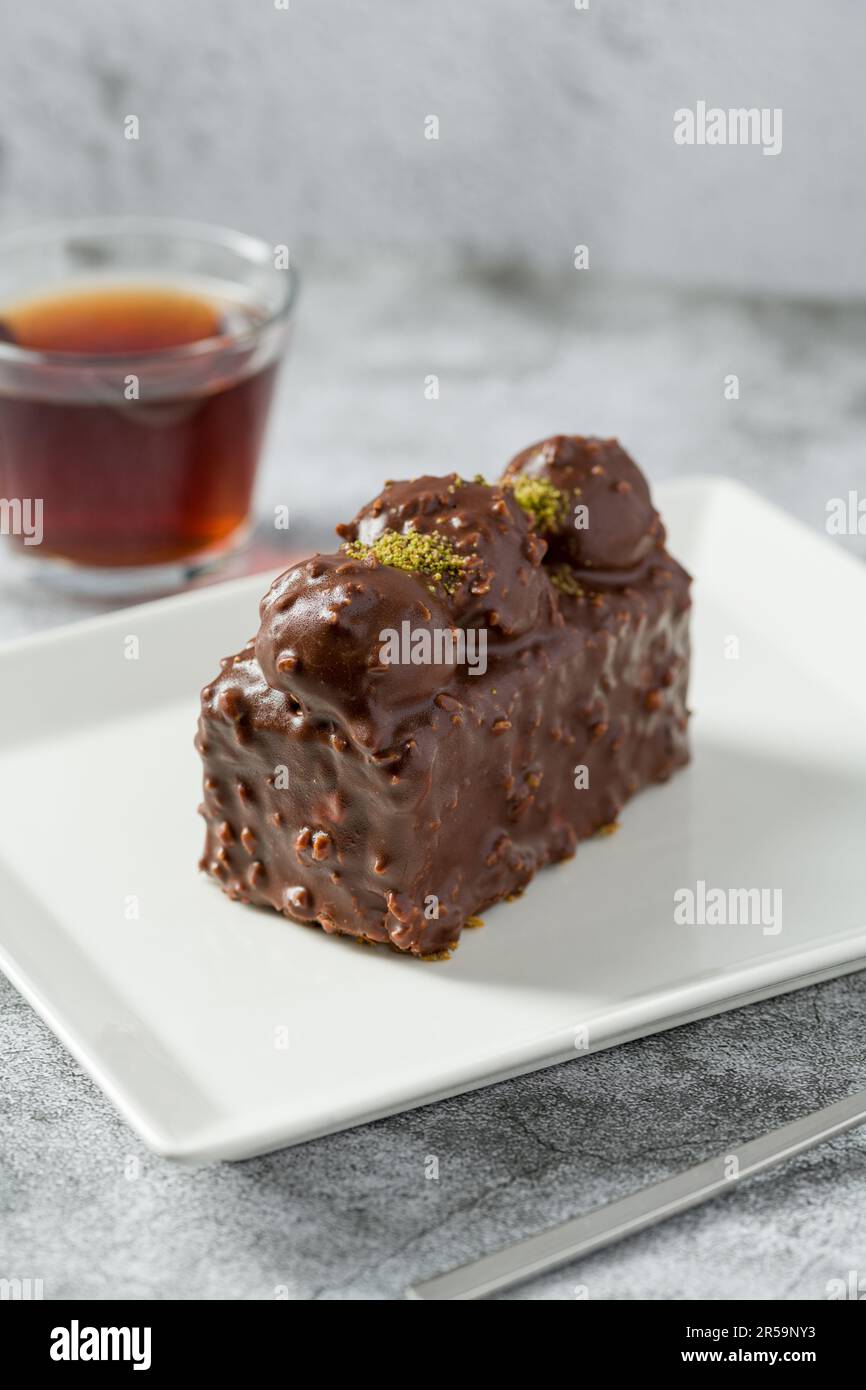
x=354, y=1216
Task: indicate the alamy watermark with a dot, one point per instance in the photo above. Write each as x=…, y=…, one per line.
x=22, y=516
x=846, y=516
x=739, y=125
x=853, y=1287
x=77, y=1343
x=422, y=646
x=729, y=907
x=21, y=1290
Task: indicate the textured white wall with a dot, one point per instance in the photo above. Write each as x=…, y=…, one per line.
x=556, y=127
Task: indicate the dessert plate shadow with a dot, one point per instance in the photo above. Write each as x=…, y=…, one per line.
x=220, y=1031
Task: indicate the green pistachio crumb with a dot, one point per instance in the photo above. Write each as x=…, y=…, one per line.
x=540, y=497
x=429, y=554
x=563, y=579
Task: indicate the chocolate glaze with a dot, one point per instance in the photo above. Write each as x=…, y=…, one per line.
x=623, y=528
x=320, y=642
x=394, y=803
x=503, y=586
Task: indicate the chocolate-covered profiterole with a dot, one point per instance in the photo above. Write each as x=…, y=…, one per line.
x=320, y=641
x=616, y=534
x=393, y=800
x=502, y=585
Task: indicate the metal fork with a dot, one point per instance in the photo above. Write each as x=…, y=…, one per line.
x=584, y=1234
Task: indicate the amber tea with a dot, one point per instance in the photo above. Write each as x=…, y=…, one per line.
x=139, y=421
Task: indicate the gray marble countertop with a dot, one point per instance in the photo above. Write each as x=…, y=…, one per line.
x=353, y=1216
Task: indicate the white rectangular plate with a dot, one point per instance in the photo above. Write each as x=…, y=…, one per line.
x=220, y=1031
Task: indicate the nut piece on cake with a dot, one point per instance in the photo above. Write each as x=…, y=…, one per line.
x=397, y=747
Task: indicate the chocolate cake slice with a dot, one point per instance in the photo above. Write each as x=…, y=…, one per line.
x=480, y=678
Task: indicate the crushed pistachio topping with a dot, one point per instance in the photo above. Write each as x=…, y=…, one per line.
x=565, y=581
x=429, y=554
x=540, y=497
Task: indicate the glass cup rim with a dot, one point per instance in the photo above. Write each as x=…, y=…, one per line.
x=253, y=249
